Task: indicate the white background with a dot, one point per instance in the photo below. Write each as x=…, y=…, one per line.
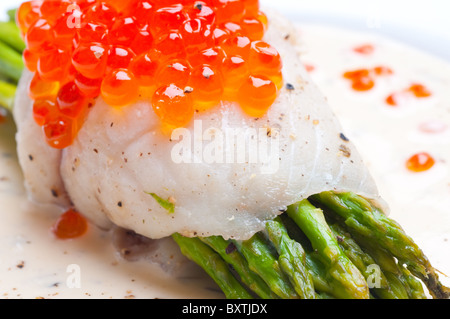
x=424, y=24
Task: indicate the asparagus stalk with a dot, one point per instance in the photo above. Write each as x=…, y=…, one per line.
x=366, y=222
x=11, y=64
x=214, y=266
x=342, y=273
x=12, y=15
x=399, y=284
x=7, y=94
x=233, y=257
x=263, y=261
x=292, y=259
x=392, y=286
x=10, y=35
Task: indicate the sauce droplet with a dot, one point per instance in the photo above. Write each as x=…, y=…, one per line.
x=418, y=91
x=433, y=127
x=420, y=162
x=364, y=79
x=364, y=49
x=69, y=225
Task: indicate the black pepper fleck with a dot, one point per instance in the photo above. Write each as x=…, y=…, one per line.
x=30, y=157
x=343, y=137
x=198, y=6
x=290, y=87
x=54, y=192
x=119, y=204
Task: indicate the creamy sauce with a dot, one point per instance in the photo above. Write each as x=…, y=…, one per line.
x=34, y=264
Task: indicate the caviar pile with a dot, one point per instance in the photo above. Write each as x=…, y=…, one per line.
x=183, y=55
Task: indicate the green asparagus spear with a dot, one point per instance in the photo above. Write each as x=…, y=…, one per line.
x=374, y=274
x=415, y=286
x=213, y=264
x=365, y=221
x=12, y=15
x=399, y=284
x=347, y=279
x=7, y=93
x=292, y=259
x=263, y=261
x=11, y=64
x=10, y=35
x=233, y=257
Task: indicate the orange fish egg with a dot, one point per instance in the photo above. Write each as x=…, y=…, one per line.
x=208, y=87
x=39, y=88
x=176, y=72
x=43, y=110
x=89, y=88
x=52, y=65
x=120, y=88
x=420, y=162
x=59, y=130
x=235, y=71
x=256, y=95
x=70, y=225
x=70, y=101
x=91, y=59
x=173, y=105
x=145, y=67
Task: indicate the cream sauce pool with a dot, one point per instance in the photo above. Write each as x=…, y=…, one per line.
x=33, y=264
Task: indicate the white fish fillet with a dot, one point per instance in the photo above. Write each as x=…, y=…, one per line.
x=120, y=156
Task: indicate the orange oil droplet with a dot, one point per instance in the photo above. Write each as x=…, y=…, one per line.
x=364, y=49
x=420, y=162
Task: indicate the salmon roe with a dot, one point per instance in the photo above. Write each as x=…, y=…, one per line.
x=185, y=56
x=420, y=162
x=70, y=225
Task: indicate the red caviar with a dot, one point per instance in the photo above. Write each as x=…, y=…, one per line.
x=256, y=95
x=173, y=105
x=120, y=88
x=70, y=225
x=59, y=130
x=364, y=79
x=416, y=90
x=185, y=55
x=208, y=87
x=420, y=162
